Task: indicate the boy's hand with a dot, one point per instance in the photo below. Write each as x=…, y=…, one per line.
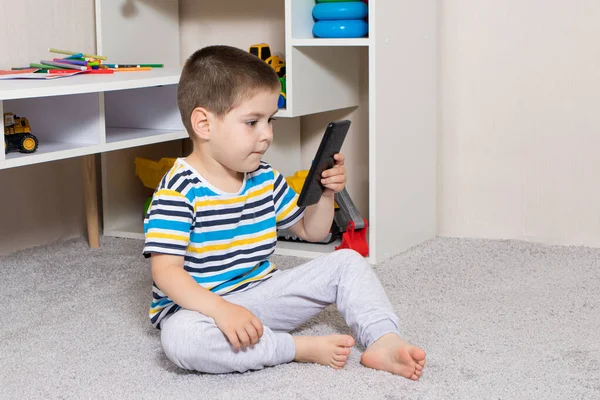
x=334, y=179
x=241, y=327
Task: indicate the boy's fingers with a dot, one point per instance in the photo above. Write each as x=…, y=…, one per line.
x=252, y=334
x=244, y=338
x=338, y=170
x=232, y=336
x=334, y=179
x=258, y=325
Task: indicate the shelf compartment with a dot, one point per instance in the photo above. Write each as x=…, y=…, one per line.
x=299, y=14
x=323, y=79
x=123, y=193
x=238, y=23
x=143, y=108
x=65, y=126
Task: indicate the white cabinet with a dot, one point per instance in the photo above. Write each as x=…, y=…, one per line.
x=386, y=84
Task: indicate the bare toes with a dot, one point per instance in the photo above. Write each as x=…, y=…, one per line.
x=419, y=367
x=341, y=351
x=340, y=357
x=338, y=364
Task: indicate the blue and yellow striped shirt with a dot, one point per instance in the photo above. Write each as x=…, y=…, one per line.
x=226, y=239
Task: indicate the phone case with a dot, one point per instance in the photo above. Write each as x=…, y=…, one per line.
x=331, y=144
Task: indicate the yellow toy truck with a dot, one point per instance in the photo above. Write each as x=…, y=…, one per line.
x=17, y=135
x=262, y=51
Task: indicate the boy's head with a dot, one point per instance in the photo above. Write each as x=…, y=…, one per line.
x=227, y=97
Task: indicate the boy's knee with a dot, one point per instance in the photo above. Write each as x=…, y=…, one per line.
x=351, y=257
x=350, y=260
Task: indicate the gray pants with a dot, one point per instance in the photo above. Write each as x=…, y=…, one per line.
x=282, y=303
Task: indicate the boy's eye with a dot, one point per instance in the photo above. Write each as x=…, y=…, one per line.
x=251, y=123
x=272, y=119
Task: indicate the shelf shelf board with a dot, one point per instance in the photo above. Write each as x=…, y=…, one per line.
x=313, y=42
x=28, y=88
x=50, y=151
x=284, y=248
x=118, y=138
x=303, y=249
x=283, y=113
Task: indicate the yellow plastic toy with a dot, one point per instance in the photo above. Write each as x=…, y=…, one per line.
x=262, y=51
x=151, y=172
x=296, y=182
x=17, y=134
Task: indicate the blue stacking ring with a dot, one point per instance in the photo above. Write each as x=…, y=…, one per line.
x=340, y=10
x=353, y=28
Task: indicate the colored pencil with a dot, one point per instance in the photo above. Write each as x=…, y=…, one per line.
x=71, y=53
x=64, y=65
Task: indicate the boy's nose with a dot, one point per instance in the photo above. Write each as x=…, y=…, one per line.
x=268, y=134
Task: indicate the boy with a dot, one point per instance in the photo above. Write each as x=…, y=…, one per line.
x=221, y=305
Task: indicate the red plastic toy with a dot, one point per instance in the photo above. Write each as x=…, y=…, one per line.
x=355, y=239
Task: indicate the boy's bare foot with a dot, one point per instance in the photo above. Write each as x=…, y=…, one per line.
x=393, y=354
x=332, y=350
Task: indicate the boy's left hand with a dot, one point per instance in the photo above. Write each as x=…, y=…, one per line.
x=334, y=179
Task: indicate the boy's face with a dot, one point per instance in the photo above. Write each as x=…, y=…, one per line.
x=239, y=140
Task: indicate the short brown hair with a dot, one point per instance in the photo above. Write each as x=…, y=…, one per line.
x=219, y=78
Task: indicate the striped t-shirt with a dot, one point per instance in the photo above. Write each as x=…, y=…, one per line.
x=226, y=239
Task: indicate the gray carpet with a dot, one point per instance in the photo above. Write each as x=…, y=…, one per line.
x=498, y=319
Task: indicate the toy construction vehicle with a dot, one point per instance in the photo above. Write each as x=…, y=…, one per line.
x=347, y=221
x=17, y=135
x=263, y=51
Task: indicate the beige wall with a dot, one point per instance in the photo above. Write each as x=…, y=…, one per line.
x=519, y=148
x=42, y=203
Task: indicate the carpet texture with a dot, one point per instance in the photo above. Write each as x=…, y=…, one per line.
x=498, y=320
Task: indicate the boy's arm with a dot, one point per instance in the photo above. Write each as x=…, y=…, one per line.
x=179, y=286
x=316, y=224
x=241, y=327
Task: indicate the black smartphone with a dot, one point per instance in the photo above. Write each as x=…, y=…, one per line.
x=331, y=144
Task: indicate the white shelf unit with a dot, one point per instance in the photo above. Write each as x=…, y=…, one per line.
x=385, y=83
x=68, y=115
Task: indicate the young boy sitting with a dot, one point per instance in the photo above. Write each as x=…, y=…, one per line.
x=221, y=305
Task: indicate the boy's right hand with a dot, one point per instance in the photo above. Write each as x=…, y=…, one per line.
x=241, y=327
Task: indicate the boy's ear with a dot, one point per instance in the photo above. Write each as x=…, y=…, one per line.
x=200, y=123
